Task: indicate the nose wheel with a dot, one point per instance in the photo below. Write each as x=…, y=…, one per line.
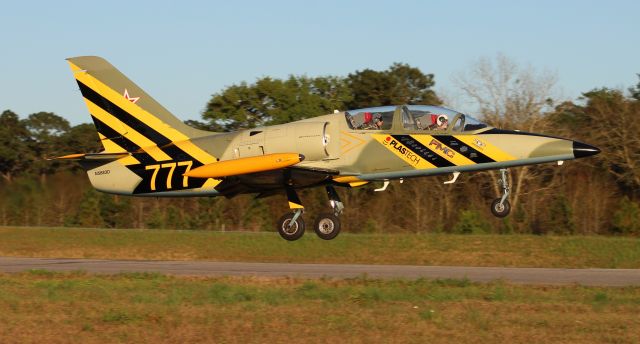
x=500, y=207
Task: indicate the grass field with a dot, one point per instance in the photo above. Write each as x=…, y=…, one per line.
x=46, y=307
x=430, y=249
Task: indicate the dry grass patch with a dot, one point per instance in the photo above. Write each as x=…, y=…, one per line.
x=41, y=306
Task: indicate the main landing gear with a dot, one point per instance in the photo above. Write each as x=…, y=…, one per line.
x=327, y=225
x=500, y=207
x=291, y=225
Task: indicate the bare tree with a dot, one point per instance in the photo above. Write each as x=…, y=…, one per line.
x=613, y=122
x=510, y=96
x=507, y=94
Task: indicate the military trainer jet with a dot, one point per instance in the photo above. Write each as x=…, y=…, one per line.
x=149, y=152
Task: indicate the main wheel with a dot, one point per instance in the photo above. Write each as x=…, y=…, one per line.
x=327, y=226
x=500, y=210
x=293, y=232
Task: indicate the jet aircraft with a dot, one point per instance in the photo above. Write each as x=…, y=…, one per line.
x=149, y=152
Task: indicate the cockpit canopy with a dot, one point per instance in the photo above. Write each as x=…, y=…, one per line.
x=414, y=118
x=366, y=119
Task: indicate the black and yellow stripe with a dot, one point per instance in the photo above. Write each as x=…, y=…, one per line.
x=480, y=145
x=142, y=160
x=122, y=116
x=418, y=147
x=141, y=156
x=466, y=150
x=142, y=116
x=125, y=126
x=436, y=151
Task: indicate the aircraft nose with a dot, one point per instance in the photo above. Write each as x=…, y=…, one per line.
x=581, y=150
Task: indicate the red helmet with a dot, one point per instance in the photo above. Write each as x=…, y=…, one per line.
x=438, y=119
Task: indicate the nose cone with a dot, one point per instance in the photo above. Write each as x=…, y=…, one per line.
x=581, y=150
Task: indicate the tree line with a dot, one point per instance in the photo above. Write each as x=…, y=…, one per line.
x=599, y=195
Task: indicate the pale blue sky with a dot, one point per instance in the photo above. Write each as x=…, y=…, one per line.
x=181, y=52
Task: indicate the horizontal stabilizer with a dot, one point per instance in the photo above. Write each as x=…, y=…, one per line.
x=240, y=166
x=92, y=156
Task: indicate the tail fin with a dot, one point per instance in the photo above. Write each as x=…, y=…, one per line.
x=126, y=117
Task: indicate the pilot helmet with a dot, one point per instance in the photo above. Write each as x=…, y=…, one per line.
x=442, y=119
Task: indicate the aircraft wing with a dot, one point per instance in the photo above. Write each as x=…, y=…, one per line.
x=267, y=183
x=262, y=173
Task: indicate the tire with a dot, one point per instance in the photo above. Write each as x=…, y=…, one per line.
x=500, y=210
x=295, y=232
x=327, y=226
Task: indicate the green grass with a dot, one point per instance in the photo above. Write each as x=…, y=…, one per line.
x=77, y=307
x=431, y=249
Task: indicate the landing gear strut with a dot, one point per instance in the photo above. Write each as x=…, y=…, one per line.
x=291, y=225
x=500, y=207
x=327, y=225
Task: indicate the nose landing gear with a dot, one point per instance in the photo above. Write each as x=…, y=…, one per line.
x=500, y=207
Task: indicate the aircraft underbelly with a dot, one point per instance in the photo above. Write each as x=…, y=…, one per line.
x=270, y=180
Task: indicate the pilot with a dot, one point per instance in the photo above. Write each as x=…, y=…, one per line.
x=443, y=122
x=378, y=122
x=367, y=123
x=438, y=122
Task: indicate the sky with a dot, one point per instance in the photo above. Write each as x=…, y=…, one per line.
x=182, y=52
